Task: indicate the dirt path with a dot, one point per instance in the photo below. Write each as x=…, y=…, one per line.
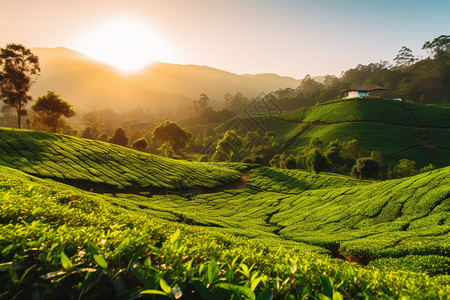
x=360, y=261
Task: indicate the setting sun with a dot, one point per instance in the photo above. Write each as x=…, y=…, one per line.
x=126, y=44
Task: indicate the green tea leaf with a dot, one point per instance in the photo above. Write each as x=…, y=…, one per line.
x=327, y=284
x=175, y=236
x=153, y=292
x=100, y=261
x=65, y=261
x=213, y=270
x=255, y=283
x=266, y=295
x=164, y=286
x=239, y=290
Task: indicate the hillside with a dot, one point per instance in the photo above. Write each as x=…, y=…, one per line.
x=398, y=130
x=103, y=166
x=127, y=224
x=60, y=242
x=92, y=85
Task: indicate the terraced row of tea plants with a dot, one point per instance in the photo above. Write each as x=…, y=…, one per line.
x=365, y=221
x=98, y=164
x=58, y=242
x=397, y=130
x=383, y=111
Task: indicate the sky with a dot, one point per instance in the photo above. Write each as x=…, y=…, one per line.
x=287, y=37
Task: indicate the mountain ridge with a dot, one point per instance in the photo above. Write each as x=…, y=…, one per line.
x=89, y=84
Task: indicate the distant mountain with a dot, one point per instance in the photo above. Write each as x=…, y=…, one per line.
x=89, y=84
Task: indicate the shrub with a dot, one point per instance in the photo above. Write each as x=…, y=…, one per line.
x=366, y=168
x=204, y=158
x=119, y=137
x=290, y=162
x=405, y=168
x=248, y=160
x=140, y=144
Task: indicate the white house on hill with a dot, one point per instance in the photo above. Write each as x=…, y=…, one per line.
x=363, y=92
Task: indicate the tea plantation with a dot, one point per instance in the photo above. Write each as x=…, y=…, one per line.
x=169, y=229
x=103, y=166
x=58, y=242
x=398, y=130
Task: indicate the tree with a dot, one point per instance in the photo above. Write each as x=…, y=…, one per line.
x=405, y=168
x=87, y=133
x=278, y=161
x=404, y=58
x=102, y=137
x=439, y=45
x=366, y=168
x=119, y=137
x=171, y=133
x=202, y=103
x=140, y=144
x=316, y=161
x=50, y=108
x=229, y=148
x=290, y=162
x=18, y=68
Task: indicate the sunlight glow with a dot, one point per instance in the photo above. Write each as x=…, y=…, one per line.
x=125, y=43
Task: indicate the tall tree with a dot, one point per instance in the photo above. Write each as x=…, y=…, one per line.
x=229, y=148
x=18, y=69
x=50, y=108
x=404, y=58
x=441, y=44
x=119, y=137
x=171, y=133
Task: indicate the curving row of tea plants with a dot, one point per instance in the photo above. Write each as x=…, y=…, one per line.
x=95, y=163
x=383, y=111
x=326, y=213
x=397, y=130
x=58, y=242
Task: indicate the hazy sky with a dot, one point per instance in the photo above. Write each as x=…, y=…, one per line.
x=287, y=37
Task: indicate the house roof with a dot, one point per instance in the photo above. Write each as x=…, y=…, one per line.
x=365, y=89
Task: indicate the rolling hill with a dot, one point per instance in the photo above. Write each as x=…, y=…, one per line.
x=92, y=85
x=135, y=229
x=103, y=166
x=61, y=242
x=398, y=130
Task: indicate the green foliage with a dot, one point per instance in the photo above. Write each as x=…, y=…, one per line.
x=50, y=108
x=140, y=144
x=172, y=134
x=88, y=163
x=60, y=242
x=18, y=68
x=404, y=57
x=366, y=168
x=430, y=264
x=229, y=148
x=439, y=45
x=316, y=161
x=119, y=137
x=405, y=168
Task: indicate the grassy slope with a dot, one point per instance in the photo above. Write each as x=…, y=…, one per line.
x=324, y=210
x=73, y=160
x=403, y=223
x=59, y=242
x=398, y=130
x=369, y=220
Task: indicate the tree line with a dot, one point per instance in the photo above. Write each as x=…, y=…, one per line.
x=420, y=80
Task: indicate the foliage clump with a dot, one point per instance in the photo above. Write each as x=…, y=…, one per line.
x=50, y=108
x=19, y=67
